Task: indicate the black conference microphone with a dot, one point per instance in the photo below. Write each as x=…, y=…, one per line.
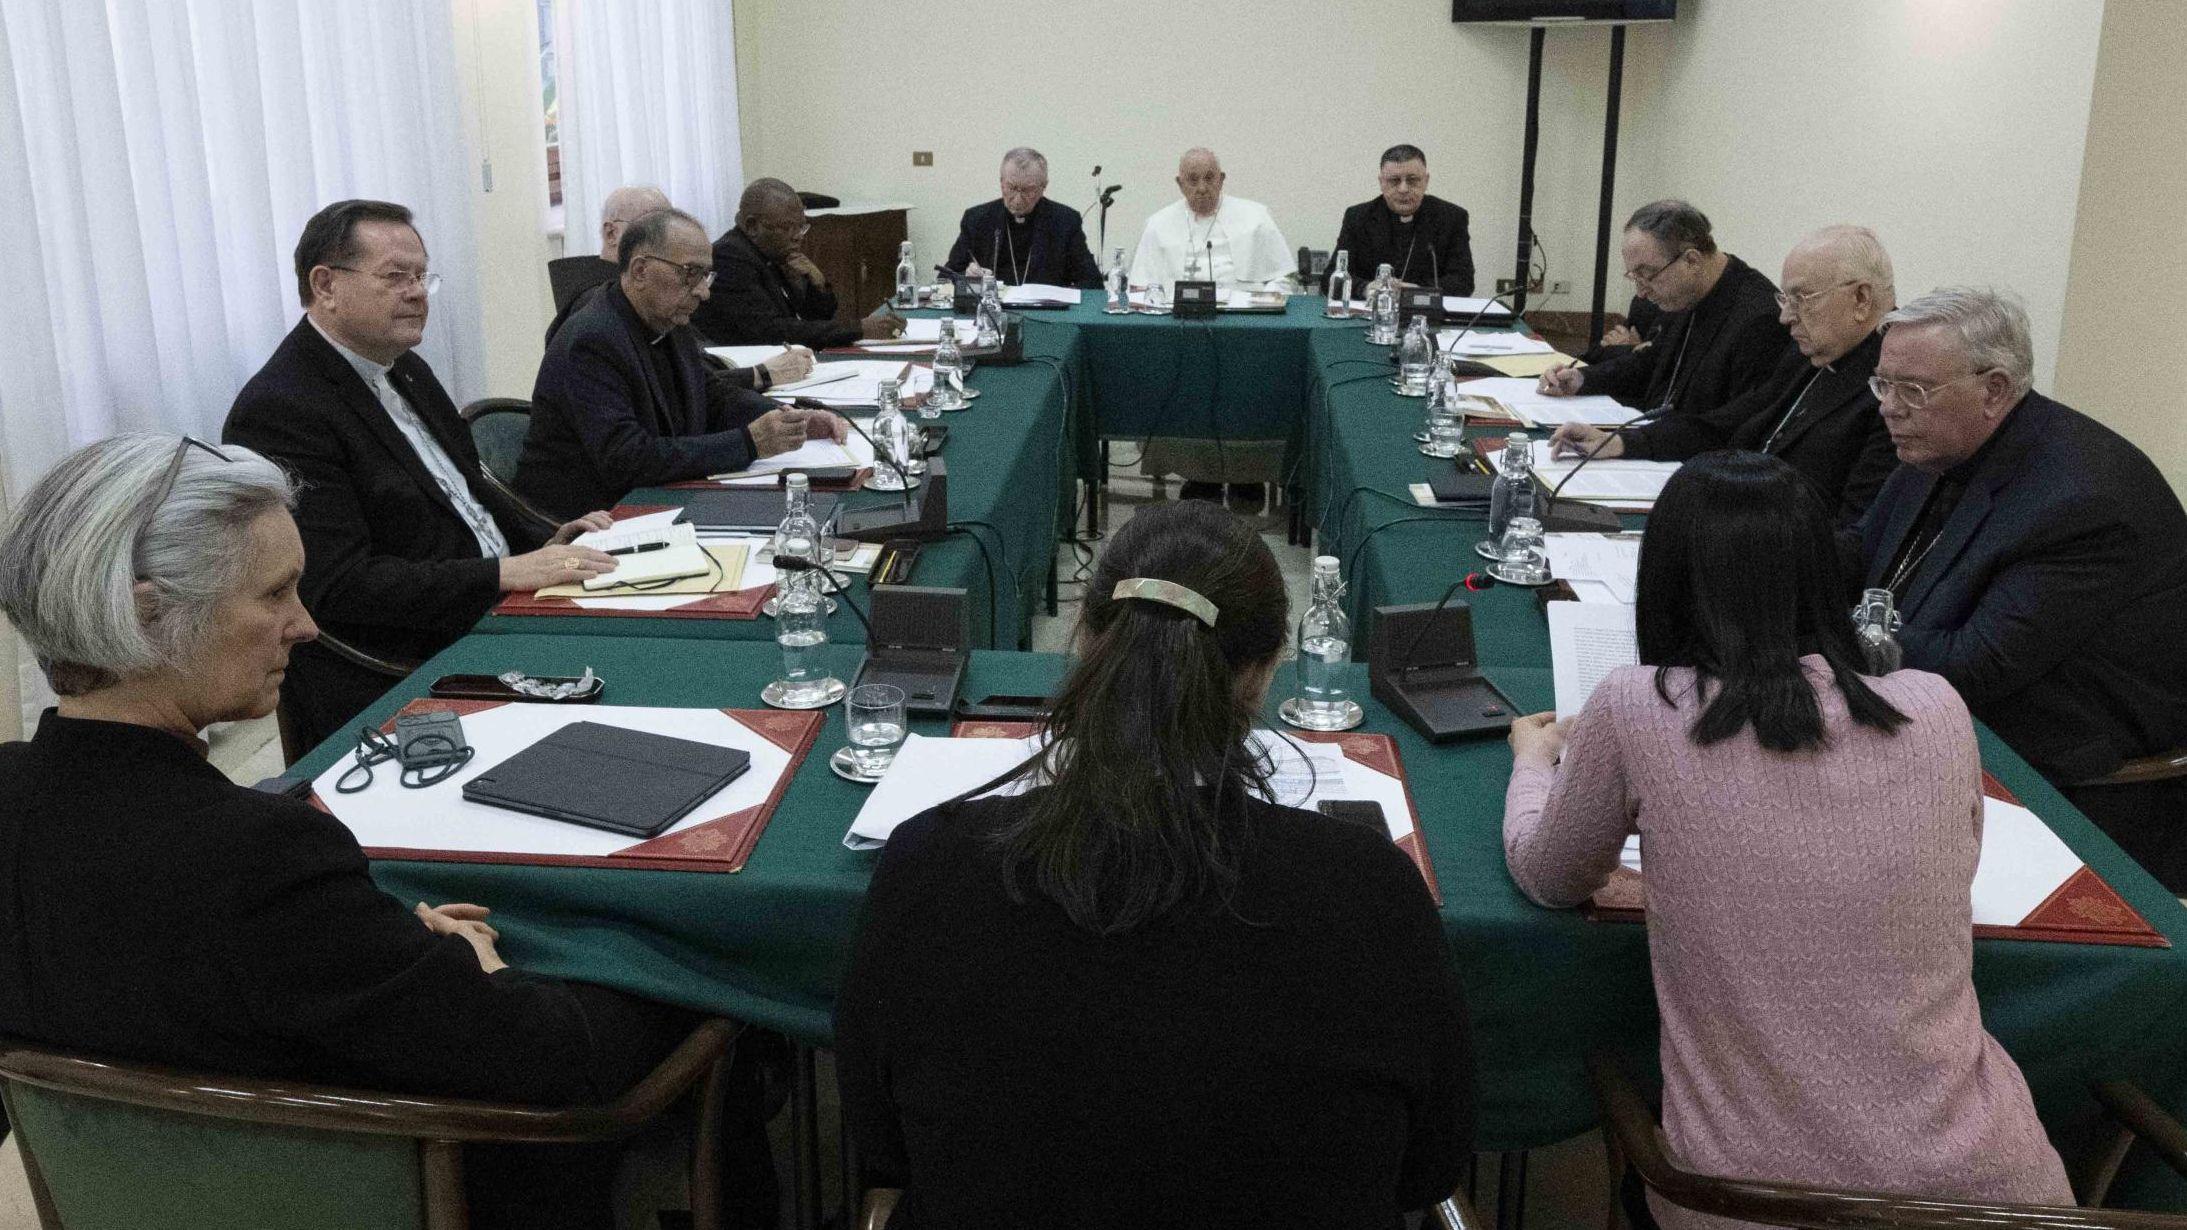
x=1211, y=258
x=807, y=403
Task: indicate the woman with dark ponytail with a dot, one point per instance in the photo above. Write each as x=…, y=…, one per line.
x=1141, y=993
x=1808, y=835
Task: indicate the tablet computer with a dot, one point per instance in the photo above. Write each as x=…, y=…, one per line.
x=609, y=777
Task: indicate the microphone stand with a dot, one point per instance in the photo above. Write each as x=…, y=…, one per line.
x=1108, y=198
x=880, y=455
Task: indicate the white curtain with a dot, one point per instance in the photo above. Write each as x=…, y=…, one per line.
x=648, y=95
x=158, y=159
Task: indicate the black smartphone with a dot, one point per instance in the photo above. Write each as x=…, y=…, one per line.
x=1358, y=811
x=1020, y=707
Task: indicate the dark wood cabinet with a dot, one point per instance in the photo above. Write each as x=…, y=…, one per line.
x=855, y=246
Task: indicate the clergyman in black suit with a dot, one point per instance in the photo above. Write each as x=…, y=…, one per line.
x=2039, y=562
x=624, y=397
x=1720, y=335
x=406, y=542
x=1815, y=410
x=766, y=290
x=1023, y=236
x=1422, y=238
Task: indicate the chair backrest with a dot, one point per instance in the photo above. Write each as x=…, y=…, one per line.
x=498, y=427
x=569, y=276
x=99, y=1164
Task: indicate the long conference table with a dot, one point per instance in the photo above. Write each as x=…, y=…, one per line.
x=769, y=944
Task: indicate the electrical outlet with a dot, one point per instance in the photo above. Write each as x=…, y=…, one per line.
x=1505, y=286
x=922, y=157
x=1560, y=288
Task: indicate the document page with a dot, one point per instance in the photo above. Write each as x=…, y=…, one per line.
x=1618, y=481
x=745, y=356
x=1604, y=564
x=1476, y=342
x=1040, y=292
x=1523, y=397
x=1587, y=640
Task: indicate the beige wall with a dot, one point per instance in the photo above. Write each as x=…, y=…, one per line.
x=2125, y=320
x=496, y=57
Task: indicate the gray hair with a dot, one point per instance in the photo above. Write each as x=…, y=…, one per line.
x=1026, y=158
x=1857, y=253
x=1674, y=224
x=88, y=532
x=1991, y=326
x=632, y=202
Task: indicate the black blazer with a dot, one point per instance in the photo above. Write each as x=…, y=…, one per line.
x=1058, y=256
x=1735, y=340
x=151, y=910
x=1433, y=247
x=603, y=421
x=1304, y=1044
x=1838, y=441
x=742, y=377
x=390, y=566
x=754, y=300
x=2055, y=598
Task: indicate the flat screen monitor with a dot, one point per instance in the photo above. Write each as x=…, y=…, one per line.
x=1558, y=12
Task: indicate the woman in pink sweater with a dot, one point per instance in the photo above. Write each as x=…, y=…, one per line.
x=1809, y=836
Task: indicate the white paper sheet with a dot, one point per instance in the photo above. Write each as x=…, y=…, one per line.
x=823, y=375
x=811, y=455
x=929, y=771
x=1522, y=395
x=756, y=574
x=1475, y=342
x=1587, y=640
x=860, y=384
x=746, y=356
x=1464, y=306
x=642, y=526
x=1605, y=563
x=928, y=330
x=1620, y=483
x=1040, y=292
x=438, y=817
x=680, y=557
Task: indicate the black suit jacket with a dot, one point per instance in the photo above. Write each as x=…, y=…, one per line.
x=1058, y=255
x=756, y=300
x=1838, y=441
x=151, y=910
x=1730, y=342
x=390, y=566
x=1434, y=246
x=2055, y=598
x=603, y=420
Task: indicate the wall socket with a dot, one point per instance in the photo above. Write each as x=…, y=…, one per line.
x=1534, y=287
x=922, y=157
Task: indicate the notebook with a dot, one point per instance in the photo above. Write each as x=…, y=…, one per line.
x=609, y=777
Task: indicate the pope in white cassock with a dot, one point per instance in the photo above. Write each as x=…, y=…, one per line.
x=1249, y=252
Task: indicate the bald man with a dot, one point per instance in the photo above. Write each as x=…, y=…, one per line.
x=1208, y=225
x=766, y=290
x=1815, y=410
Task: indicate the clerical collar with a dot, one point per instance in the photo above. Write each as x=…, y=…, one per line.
x=371, y=372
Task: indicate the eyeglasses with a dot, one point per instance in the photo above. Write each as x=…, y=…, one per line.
x=174, y=473
x=399, y=280
x=1404, y=181
x=1798, y=303
x=1644, y=275
x=693, y=276
x=1915, y=396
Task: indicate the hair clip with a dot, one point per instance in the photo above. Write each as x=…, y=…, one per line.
x=1168, y=593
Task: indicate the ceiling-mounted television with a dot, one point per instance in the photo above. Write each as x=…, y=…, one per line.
x=1559, y=12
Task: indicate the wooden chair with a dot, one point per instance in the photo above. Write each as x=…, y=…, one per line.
x=107, y=1144
x=570, y=276
x=1454, y=1213
x=1631, y=1138
x=498, y=427
x=2159, y=768
x=293, y=747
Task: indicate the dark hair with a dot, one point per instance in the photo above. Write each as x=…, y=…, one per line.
x=647, y=233
x=762, y=195
x=1674, y=224
x=1404, y=153
x=1147, y=757
x=330, y=238
x=1739, y=576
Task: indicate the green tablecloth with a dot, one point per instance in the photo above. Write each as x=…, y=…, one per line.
x=769, y=944
x=1010, y=458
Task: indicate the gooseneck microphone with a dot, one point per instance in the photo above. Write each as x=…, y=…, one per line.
x=880, y=455
x=1549, y=503
x=1492, y=301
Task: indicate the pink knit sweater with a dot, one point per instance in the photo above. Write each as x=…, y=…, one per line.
x=1808, y=924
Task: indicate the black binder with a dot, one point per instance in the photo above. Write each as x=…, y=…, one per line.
x=609, y=777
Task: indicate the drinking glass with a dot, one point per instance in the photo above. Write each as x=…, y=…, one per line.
x=875, y=715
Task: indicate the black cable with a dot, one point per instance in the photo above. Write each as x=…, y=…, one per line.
x=994, y=630
x=1456, y=513
x=1351, y=567
x=1214, y=404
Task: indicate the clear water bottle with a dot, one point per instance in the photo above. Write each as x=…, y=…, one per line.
x=1876, y=622
x=797, y=536
x=1415, y=359
x=891, y=434
x=988, y=320
x=1324, y=646
x=1119, y=283
x=801, y=633
x=1382, y=303
x=1511, y=495
x=1446, y=424
x=907, y=277
x=948, y=391
x=1340, y=286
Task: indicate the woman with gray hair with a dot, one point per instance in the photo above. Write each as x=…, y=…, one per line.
x=152, y=910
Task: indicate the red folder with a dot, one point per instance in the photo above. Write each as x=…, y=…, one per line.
x=1377, y=752
x=721, y=844
x=740, y=604
x=2083, y=910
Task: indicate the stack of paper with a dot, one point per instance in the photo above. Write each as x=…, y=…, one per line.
x=1523, y=397
x=856, y=382
x=746, y=356
x=1587, y=640
x=811, y=455
x=1599, y=567
x=1464, y=306
x=1039, y=292
x=1475, y=342
x=1622, y=484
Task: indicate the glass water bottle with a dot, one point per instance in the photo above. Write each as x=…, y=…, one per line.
x=1876, y=622
x=1324, y=646
x=1415, y=359
x=907, y=277
x=1340, y=285
x=1512, y=494
x=1119, y=283
x=1382, y=302
x=988, y=320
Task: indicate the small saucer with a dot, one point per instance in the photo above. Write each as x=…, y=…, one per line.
x=831, y=693
x=845, y=764
x=1399, y=389
x=1352, y=715
x=1489, y=551
x=1497, y=571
